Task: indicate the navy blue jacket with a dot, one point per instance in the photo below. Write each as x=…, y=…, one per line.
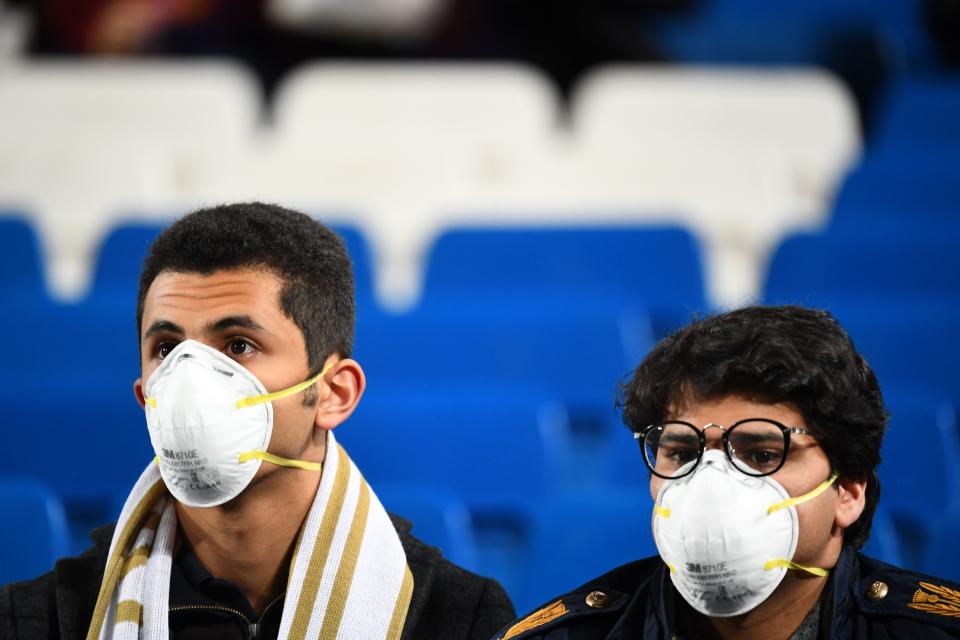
x=865, y=599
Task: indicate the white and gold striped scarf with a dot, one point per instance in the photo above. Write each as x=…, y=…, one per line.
x=348, y=578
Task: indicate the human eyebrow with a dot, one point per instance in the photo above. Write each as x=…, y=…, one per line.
x=674, y=439
x=750, y=438
x=232, y=322
x=163, y=325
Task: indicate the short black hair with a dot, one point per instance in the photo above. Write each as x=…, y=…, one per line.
x=785, y=354
x=317, y=290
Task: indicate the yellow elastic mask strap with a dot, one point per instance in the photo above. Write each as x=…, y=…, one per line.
x=663, y=512
x=283, y=462
x=810, y=495
x=783, y=562
x=283, y=393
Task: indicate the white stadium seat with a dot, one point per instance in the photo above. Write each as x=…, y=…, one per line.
x=83, y=142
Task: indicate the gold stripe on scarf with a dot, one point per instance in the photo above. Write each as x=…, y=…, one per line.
x=138, y=558
x=348, y=563
x=129, y=611
x=321, y=549
x=115, y=565
x=400, y=609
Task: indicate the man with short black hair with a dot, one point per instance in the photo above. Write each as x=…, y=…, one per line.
x=254, y=522
x=761, y=429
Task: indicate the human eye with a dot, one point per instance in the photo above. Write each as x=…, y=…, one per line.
x=239, y=347
x=761, y=459
x=678, y=455
x=163, y=349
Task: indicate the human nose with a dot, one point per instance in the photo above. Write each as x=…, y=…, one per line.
x=713, y=433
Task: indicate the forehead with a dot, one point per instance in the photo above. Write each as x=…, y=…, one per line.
x=188, y=298
x=729, y=409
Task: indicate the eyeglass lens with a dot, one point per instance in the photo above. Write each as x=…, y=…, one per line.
x=754, y=447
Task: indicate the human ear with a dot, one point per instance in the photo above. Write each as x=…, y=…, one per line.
x=345, y=384
x=138, y=391
x=851, y=499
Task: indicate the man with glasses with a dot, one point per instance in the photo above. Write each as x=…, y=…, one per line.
x=761, y=429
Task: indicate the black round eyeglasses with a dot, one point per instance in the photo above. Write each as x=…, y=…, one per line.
x=755, y=446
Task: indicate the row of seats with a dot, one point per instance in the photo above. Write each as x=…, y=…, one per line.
x=503, y=318
x=405, y=150
x=894, y=290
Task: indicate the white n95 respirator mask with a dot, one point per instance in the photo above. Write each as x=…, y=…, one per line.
x=210, y=421
x=728, y=538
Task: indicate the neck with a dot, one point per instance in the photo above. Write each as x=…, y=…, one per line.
x=250, y=540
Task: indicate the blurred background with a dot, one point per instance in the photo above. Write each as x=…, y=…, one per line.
x=532, y=194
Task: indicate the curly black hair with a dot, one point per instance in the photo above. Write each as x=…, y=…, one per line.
x=317, y=290
x=786, y=354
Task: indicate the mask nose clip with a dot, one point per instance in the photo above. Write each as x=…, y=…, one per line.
x=713, y=458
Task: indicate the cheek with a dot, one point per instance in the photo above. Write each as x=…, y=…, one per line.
x=655, y=484
x=816, y=520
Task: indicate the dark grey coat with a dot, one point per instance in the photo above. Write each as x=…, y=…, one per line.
x=447, y=603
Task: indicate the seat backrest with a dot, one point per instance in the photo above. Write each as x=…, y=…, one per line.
x=920, y=110
x=116, y=275
x=35, y=532
x=941, y=558
x=480, y=443
x=908, y=341
x=649, y=266
x=583, y=535
x=917, y=185
x=21, y=264
x=439, y=517
x=160, y=102
x=577, y=352
x=920, y=472
x=427, y=105
x=92, y=435
x=832, y=266
x=804, y=118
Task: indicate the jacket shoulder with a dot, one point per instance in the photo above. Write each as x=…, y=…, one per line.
x=448, y=601
x=59, y=603
x=589, y=611
x=917, y=604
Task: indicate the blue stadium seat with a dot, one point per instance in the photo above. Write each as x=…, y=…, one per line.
x=580, y=536
x=921, y=109
x=884, y=542
x=494, y=448
x=908, y=342
x=909, y=187
x=942, y=559
x=920, y=472
x=793, y=32
x=116, y=275
x=439, y=518
x=35, y=534
x=89, y=441
x=577, y=353
x=624, y=459
x=656, y=268
x=842, y=264
x=22, y=282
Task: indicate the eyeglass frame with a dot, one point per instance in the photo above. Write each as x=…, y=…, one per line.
x=641, y=436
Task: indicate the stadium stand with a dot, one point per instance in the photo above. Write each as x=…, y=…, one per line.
x=536, y=249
